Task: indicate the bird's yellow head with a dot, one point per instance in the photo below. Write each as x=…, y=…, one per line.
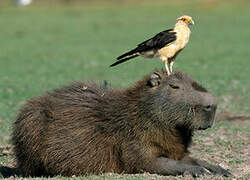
x=186, y=19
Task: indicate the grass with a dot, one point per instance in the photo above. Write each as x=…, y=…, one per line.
x=43, y=47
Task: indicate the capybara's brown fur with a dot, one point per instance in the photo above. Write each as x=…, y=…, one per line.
x=85, y=128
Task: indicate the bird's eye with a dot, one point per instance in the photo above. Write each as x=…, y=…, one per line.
x=174, y=86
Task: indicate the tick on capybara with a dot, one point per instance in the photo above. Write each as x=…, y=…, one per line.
x=86, y=128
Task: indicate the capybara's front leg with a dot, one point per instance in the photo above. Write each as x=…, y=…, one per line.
x=165, y=166
x=212, y=168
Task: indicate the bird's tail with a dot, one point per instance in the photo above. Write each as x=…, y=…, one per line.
x=126, y=56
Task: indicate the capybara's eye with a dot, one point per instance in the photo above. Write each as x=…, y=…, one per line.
x=174, y=86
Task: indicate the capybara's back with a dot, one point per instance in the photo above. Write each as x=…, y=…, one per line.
x=85, y=128
x=68, y=132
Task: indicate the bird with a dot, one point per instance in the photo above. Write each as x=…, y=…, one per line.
x=165, y=45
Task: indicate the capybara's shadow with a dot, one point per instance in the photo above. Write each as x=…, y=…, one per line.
x=6, y=172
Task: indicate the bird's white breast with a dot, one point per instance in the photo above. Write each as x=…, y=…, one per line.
x=182, y=38
x=182, y=34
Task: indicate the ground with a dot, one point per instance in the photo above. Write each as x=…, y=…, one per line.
x=227, y=144
x=47, y=45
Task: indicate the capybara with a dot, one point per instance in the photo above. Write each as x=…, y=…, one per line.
x=86, y=128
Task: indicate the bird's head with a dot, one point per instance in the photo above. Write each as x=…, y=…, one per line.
x=186, y=19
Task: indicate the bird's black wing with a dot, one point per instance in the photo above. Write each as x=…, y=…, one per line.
x=158, y=41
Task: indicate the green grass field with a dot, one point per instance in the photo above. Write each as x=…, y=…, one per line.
x=45, y=46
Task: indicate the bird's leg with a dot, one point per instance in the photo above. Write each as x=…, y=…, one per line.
x=166, y=65
x=165, y=61
x=171, y=66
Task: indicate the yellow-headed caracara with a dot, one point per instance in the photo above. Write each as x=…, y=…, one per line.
x=165, y=45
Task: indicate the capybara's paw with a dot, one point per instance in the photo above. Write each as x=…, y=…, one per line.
x=195, y=171
x=220, y=171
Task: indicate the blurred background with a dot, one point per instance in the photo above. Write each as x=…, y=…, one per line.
x=48, y=43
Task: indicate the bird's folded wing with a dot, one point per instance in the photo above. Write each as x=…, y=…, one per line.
x=158, y=41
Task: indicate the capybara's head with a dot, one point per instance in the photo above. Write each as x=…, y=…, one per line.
x=178, y=100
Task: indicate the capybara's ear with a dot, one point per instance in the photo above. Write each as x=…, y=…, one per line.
x=154, y=80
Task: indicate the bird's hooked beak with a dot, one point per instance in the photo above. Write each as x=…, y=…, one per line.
x=191, y=22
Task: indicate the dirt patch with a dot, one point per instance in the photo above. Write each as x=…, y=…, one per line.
x=227, y=116
x=7, y=156
x=227, y=146
x=6, y=150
